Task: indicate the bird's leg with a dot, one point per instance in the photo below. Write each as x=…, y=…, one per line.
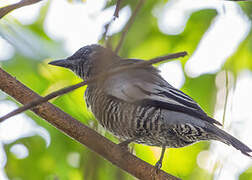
x=159, y=163
x=125, y=143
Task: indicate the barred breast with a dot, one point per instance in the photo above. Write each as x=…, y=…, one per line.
x=123, y=119
x=150, y=125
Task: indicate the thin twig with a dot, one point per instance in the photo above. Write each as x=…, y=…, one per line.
x=7, y=9
x=240, y=0
x=41, y=100
x=226, y=98
x=106, y=26
x=116, y=13
x=108, y=43
x=81, y=133
x=127, y=26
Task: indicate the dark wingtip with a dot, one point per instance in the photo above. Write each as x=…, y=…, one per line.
x=218, y=123
x=238, y=144
x=214, y=121
x=247, y=153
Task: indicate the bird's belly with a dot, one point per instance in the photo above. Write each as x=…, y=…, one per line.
x=124, y=120
x=168, y=142
x=145, y=124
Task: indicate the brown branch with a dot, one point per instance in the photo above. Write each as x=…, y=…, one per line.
x=104, y=35
x=7, y=9
x=106, y=26
x=226, y=97
x=103, y=75
x=116, y=13
x=127, y=26
x=240, y=0
x=81, y=133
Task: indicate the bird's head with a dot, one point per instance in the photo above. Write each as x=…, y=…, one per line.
x=88, y=61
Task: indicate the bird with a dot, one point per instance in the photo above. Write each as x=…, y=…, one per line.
x=138, y=105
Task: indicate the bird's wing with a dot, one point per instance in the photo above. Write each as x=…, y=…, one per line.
x=145, y=86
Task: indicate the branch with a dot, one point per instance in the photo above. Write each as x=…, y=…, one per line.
x=106, y=26
x=81, y=133
x=129, y=23
x=240, y=0
x=7, y=9
x=100, y=76
x=116, y=13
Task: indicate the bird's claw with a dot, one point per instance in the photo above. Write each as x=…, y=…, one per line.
x=158, y=166
x=124, y=145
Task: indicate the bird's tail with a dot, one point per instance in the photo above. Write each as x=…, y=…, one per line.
x=230, y=140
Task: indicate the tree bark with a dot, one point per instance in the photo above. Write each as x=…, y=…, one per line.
x=81, y=133
x=7, y=9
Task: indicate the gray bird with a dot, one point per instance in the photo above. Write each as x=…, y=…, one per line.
x=138, y=105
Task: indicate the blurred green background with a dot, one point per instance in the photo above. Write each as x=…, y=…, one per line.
x=33, y=149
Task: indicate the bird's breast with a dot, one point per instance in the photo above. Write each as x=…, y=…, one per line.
x=127, y=120
x=123, y=119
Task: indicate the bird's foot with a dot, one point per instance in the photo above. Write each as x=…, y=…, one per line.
x=158, y=166
x=159, y=163
x=124, y=145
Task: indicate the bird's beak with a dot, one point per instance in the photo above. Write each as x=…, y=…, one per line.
x=62, y=63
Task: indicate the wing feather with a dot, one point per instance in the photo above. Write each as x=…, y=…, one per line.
x=146, y=87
